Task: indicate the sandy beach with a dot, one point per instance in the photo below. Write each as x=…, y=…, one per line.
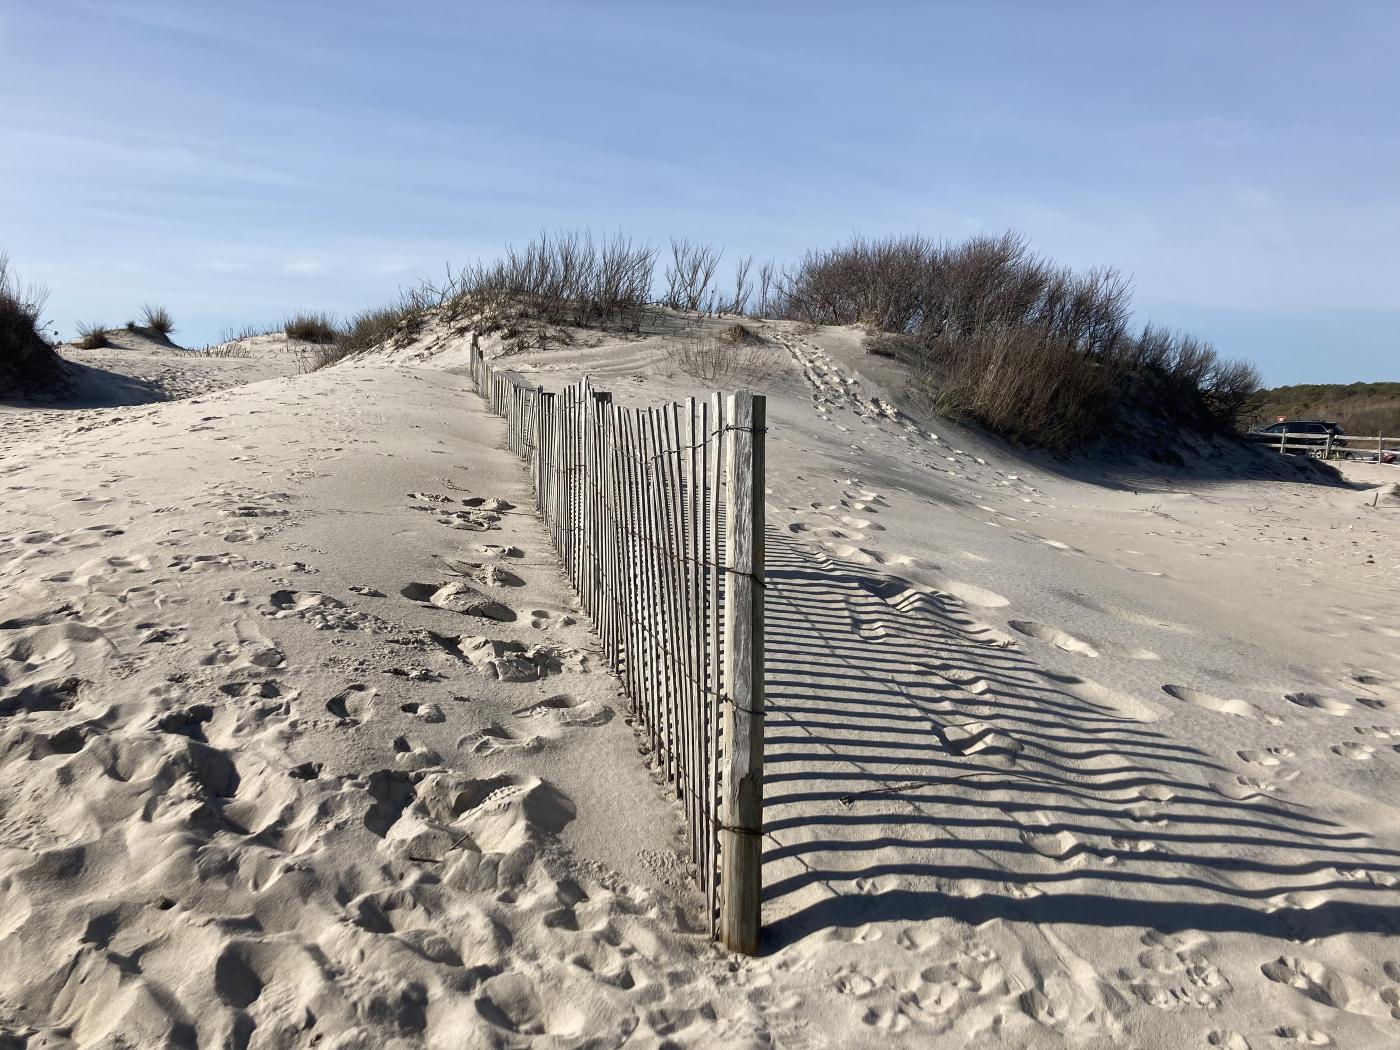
x=1056, y=756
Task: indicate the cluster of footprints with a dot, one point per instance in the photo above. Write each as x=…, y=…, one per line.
x=196, y=846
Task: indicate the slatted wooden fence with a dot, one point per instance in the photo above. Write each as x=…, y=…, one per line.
x=657, y=515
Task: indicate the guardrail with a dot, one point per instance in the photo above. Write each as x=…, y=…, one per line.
x=658, y=518
x=1332, y=447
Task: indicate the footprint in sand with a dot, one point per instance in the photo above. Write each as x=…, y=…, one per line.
x=1327, y=986
x=1053, y=636
x=1273, y=756
x=1356, y=752
x=458, y=596
x=1317, y=702
x=495, y=738
x=1209, y=702
x=352, y=706
x=1379, y=732
x=1111, y=702
x=413, y=754
x=1306, y=1036
x=567, y=710
x=469, y=520
x=1243, y=788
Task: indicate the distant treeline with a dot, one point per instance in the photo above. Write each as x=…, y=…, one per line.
x=1361, y=408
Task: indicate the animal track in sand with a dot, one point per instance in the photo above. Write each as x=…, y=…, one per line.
x=1317, y=702
x=1209, y=702
x=1053, y=636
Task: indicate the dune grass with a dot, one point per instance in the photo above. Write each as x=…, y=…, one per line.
x=27, y=360
x=92, y=335
x=310, y=327
x=157, y=319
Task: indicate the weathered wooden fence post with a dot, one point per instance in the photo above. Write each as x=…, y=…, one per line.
x=741, y=811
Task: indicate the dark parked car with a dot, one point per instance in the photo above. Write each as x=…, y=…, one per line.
x=1303, y=435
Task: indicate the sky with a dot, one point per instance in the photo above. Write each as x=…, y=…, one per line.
x=237, y=161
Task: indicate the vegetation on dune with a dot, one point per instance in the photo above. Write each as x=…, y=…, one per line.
x=92, y=335
x=311, y=328
x=27, y=360
x=1361, y=408
x=989, y=330
x=157, y=319
x=1026, y=347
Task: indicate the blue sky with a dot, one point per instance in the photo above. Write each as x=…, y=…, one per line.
x=239, y=160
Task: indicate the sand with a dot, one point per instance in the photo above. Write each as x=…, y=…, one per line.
x=304, y=741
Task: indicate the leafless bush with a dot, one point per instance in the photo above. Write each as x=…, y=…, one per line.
x=989, y=302
x=92, y=336
x=690, y=273
x=1022, y=383
x=564, y=278
x=26, y=358
x=736, y=333
x=311, y=328
x=157, y=319
x=743, y=290
x=725, y=361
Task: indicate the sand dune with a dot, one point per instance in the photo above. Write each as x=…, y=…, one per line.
x=304, y=742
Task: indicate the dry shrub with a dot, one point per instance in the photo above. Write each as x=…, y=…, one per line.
x=311, y=328
x=564, y=278
x=157, y=319
x=92, y=336
x=26, y=358
x=1020, y=383
x=737, y=333
x=989, y=303
x=370, y=329
x=723, y=361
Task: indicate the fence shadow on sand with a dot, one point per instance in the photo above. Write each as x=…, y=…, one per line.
x=919, y=766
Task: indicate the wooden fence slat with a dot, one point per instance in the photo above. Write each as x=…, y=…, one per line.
x=742, y=782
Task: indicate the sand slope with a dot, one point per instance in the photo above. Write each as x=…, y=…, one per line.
x=257, y=789
x=1054, y=759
